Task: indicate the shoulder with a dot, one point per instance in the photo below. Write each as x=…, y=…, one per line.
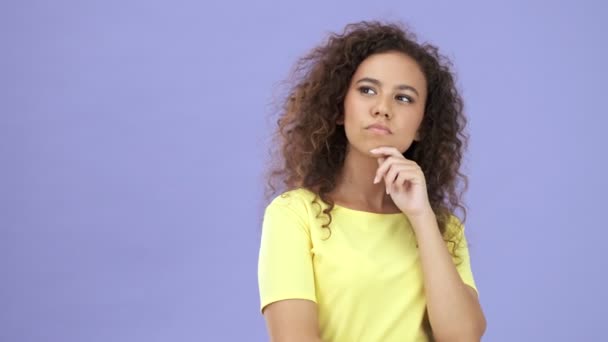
x=454, y=228
x=454, y=223
x=292, y=209
x=298, y=200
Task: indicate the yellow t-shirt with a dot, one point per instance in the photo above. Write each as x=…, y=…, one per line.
x=366, y=278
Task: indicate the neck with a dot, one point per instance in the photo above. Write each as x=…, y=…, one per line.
x=355, y=185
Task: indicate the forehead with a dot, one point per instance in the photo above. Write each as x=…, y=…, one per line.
x=392, y=68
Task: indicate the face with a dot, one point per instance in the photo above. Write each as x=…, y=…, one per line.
x=384, y=104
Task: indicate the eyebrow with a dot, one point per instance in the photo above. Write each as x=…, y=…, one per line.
x=378, y=83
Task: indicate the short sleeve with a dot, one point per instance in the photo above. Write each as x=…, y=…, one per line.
x=285, y=269
x=461, y=255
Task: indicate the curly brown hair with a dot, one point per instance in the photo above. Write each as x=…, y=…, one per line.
x=312, y=146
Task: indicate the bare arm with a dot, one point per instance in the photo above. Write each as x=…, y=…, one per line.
x=454, y=310
x=292, y=320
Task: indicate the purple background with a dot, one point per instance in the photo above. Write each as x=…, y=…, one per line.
x=132, y=137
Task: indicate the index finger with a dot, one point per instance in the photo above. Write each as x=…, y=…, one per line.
x=387, y=151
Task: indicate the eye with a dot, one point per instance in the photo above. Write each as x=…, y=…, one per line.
x=366, y=90
x=404, y=98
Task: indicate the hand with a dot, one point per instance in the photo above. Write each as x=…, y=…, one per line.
x=404, y=181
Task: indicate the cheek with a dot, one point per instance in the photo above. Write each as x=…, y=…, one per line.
x=348, y=105
x=353, y=107
x=351, y=119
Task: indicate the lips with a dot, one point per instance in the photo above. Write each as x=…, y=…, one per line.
x=379, y=128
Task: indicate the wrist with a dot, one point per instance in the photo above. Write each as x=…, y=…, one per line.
x=422, y=215
x=423, y=218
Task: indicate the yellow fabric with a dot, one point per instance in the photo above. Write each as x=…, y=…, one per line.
x=366, y=277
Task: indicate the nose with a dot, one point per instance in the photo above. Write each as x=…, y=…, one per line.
x=381, y=108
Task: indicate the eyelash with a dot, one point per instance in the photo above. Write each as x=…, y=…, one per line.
x=362, y=91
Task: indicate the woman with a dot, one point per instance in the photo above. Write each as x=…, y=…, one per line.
x=362, y=243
